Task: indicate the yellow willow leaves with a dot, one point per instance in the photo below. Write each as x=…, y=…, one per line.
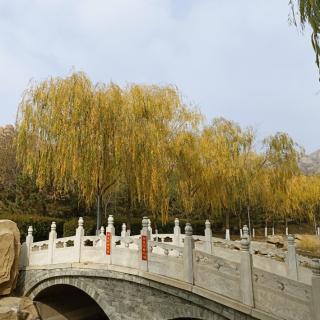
x=75, y=135
x=8, y=165
x=144, y=143
x=155, y=116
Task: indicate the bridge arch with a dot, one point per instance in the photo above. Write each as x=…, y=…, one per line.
x=126, y=296
x=67, y=301
x=89, y=289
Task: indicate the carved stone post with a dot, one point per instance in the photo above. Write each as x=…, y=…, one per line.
x=102, y=237
x=292, y=264
x=176, y=232
x=241, y=233
x=144, y=252
x=110, y=227
x=253, y=233
x=188, y=254
x=123, y=233
x=51, y=244
x=123, y=230
x=150, y=235
x=246, y=285
x=318, y=231
x=29, y=241
x=273, y=231
x=315, y=289
x=110, y=232
x=78, y=240
x=208, y=237
x=245, y=232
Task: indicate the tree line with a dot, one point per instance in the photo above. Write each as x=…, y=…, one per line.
x=141, y=148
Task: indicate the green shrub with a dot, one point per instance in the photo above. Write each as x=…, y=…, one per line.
x=70, y=226
x=41, y=225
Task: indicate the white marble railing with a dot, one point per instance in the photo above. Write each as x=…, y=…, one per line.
x=192, y=259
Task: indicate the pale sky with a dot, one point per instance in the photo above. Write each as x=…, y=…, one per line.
x=239, y=59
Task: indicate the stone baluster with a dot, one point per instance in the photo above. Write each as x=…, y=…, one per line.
x=110, y=232
x=102, y=237
x=315, y=290
x=110, y=226
x=318, y=231
x=253, y=233
x=123, y=233
x=176, y=232
x=78, y=240
x=273, y=231
x=292, y=264
x=241, y=233
x=245, y=231
x=51, y=243
x=123, y=230
x=157, y=238
x=246, y=284
x=150, y=235
x=188, y=254
x=144, y=250
x=29, y=242
x=208, y=237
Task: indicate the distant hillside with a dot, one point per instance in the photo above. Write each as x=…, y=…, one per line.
x=310, y=164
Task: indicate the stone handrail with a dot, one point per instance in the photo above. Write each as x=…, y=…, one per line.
x=166, y=248
x=221, y=271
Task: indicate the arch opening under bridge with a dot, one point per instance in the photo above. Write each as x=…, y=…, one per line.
x=62, y=301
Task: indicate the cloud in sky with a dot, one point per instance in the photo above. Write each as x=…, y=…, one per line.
x=237, y=59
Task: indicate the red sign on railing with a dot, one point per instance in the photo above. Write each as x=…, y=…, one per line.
x=108, y=243
x=144, y=248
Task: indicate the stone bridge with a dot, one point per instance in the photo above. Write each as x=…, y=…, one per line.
x=163, y=276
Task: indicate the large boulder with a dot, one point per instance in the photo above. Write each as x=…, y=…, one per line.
x=9, y=256
x=278, y=241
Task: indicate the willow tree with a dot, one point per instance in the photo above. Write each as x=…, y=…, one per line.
x=189, y=174
x=95, y=139
x=304, y=195
x=8, y=165
x=282, y=156
x=154, y=118
x=307, y=12
x=68, y=136
x=222, y=144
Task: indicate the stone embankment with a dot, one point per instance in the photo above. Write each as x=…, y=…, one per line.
x=12, y=308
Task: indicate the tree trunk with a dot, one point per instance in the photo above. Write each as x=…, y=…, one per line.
x=98, y=214
x=273, y=231
x=227, y=225
x=266, y=228
x=249, y=220
x=129, y=211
